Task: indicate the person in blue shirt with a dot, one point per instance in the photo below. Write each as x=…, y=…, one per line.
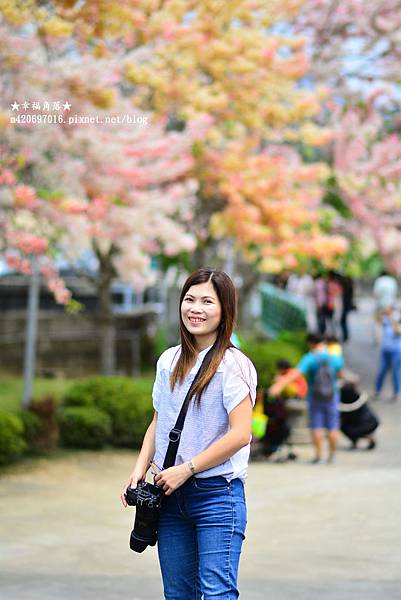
x=322, y=397
x=390, y=357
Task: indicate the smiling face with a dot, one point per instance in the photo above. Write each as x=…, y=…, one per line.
x=201, y=313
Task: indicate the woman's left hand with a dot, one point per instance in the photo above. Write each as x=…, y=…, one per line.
x=173, y=478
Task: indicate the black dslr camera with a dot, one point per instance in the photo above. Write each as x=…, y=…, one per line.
x=147, y=498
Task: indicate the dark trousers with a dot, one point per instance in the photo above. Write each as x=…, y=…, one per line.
x=325, y=320
x=344, y=325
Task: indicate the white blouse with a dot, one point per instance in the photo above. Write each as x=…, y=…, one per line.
x=234, y=379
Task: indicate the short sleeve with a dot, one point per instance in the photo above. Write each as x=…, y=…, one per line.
x=239, y=380
x=339, y=363
x=157, y=387
x=304, y=365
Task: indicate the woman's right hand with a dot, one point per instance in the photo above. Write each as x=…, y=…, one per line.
x=133, y=480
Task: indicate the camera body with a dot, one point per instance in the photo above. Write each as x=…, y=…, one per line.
x=145, y=494
x=147, y=498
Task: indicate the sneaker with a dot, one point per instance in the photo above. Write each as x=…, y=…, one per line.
x=395, y=398
x=317, y=461
x=331, y=460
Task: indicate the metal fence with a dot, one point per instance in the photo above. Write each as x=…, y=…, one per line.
x=280, y=311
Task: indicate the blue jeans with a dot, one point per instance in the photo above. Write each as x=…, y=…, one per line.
x=389, y=359
x=201, y=530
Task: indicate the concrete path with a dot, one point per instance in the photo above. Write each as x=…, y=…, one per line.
x=325, y=531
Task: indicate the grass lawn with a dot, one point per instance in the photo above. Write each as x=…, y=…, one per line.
x=11, y=390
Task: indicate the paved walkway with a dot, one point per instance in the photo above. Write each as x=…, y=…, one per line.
x=314, y=532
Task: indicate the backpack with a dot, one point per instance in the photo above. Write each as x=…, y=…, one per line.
x=323, y=388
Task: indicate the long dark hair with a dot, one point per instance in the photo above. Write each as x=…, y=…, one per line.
x=227, y=296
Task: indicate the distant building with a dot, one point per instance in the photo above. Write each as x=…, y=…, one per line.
x=14, y=294
x=69, y=344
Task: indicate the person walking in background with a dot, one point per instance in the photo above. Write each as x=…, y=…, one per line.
x=347, y=296
x=390, y=354
x=301, y=286
x=203, y=514
x=385, y=289
x=321, y=370
x=327, y=293
x=333, y=302
x=320, y=296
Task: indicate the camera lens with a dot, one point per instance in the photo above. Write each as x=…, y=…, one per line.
x=147, y=498
x=136, y=544
x=145, y=528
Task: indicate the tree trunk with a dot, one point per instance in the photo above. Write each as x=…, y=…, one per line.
x=107, y=332
x=31, y=333
x=250, y=280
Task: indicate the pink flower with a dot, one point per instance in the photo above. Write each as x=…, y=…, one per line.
x=270, y=49
x=29, y=243
x=7, y=177
x=169, y=31
x=25, y=197
x=19, y=264
x=135, y=175
x=136, y=152
x=151, y=247
x=74, y=207
x=48, y=271
x=55, y=284
x=13, y=261
x=97, y=209
x=25, y=267
x=62, y=296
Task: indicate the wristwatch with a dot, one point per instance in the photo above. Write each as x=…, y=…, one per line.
x=191, y=467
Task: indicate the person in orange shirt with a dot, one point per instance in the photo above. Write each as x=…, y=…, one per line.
x=297, y=388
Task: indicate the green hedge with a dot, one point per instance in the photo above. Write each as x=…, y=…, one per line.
x=295, y=338
x=12, y=443
x=264, y=355
x=32, y=427
x=84, y=427
x=126, y=401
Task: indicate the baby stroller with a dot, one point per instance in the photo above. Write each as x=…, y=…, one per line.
x=275, y=440
x=357, y=418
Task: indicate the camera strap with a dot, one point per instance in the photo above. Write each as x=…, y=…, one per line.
x=175, y=433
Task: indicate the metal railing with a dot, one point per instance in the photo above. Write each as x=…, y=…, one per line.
x=280, y=311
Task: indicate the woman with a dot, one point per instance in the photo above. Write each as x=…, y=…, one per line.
x=390, y=356
x=203, y=516
x=347, y=286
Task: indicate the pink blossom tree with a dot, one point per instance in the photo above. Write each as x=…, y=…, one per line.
x=367, y=161
x=353, y=44
x=121, y=190
x=355, y=50
x=27, y=227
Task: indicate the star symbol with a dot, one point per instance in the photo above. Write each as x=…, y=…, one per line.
x=66, y=106
x=15, y=106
